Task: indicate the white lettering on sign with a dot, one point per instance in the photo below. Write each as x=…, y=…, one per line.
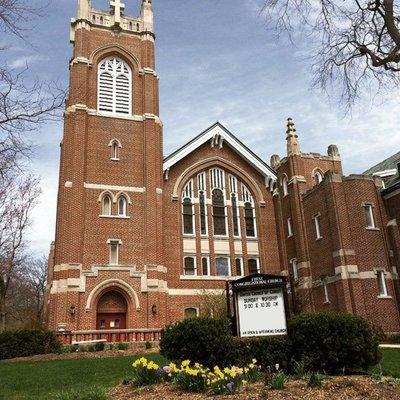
x=262, y=312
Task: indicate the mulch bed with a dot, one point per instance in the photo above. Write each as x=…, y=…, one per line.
x=80, y=355
x=335, y=388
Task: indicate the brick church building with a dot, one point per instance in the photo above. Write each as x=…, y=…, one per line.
x=141, y=240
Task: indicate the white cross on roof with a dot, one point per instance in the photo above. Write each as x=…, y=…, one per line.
x=118, y=7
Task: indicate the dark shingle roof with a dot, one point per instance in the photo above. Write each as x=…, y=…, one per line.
x=389, y=163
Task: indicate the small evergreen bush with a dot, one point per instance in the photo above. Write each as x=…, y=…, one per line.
x=334, y=342
x=99, y=346
x=207, y=341
x=27, y=342
x=122, y=346
x=149, y=345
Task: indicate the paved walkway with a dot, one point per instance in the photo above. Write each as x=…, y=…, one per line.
x=389, y=346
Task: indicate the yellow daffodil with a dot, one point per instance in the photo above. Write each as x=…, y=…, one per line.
x=185, y=363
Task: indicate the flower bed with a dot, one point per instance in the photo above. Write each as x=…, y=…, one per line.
x=195, y=377
x=337, y=388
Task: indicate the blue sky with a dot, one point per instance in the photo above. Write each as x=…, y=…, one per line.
x=216, y=61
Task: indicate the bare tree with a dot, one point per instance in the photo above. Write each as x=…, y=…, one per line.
x=355, y=44
x=15, y=209
x=25, y=295
x=23, y=107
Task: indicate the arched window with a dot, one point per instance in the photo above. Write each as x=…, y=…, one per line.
x=203, y=213
x=187, y=209
x=115, y=145
x=106, y=205
x=318, y=176
x=285, y=185
x=249, y=213
x=115, y=86
x=219, y=216
x=122, y=206
x=94, y=19
x=201, y=181
x=253, y=266
x=235, y=208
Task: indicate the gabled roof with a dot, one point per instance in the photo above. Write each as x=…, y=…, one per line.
x=386, y=167
x=219, y=135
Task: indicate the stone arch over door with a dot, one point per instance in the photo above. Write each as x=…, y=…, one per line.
x=111, y=310
x=120, y=287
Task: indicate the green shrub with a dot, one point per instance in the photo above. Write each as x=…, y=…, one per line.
x=334, y=342
x=94, y=393
x=27, y=342
x=82, y=348
x=90, y=348
x=268, y=351
x=204, y=340
x=99, y=346
x=149, y=345
x=122, y=346
x=277, y=380
x=315, y=379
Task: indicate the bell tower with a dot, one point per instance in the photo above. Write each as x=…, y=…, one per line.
x=109, y=214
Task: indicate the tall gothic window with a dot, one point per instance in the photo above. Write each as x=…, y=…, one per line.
x=219, y=219
x=115, y=145
x=114, y=86
x=285, y=185
x=235, y=208
x=203, y=213
x=201, y=181
x=249, y=213
x=187, y=209
x=106, y=205
x=122, y=206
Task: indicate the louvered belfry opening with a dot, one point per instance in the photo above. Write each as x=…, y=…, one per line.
x=115, y=86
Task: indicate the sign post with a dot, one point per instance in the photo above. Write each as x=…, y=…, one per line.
x=259, y=305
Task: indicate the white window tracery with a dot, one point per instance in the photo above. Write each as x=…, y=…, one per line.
x=114, y=86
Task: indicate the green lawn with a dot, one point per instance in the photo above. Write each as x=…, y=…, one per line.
x=41, y=380
x=391, y=362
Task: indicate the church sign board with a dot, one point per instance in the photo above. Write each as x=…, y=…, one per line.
x=260, y=305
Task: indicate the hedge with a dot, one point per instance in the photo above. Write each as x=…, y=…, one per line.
x=27, y=342
x=205, y=340
x=334, y=342
x=325, y=342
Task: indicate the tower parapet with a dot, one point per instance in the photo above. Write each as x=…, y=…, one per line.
x=114, y=19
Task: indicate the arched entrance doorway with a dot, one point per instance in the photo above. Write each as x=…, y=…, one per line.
x=111, y=311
